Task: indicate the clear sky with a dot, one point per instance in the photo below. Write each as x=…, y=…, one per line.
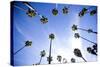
x=27, y=28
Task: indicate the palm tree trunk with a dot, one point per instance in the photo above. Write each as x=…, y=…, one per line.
x=87, y=40
x=95, y=32
x=40, y=60
x=29, y=6
x=87, y=30
x=82, y=29
x=84, y=59
x=19, y=50
x=50, y=51
x=56, y=5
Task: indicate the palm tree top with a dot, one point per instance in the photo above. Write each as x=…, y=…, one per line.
x=74, y=27
x=59, y=58
x=76, y=35
x=51, y=36
x=73, y=60
x=89, y=49
x=54, y=11
x=65, y=10
x=28, y=43
x=77, y=52
x=43, y=53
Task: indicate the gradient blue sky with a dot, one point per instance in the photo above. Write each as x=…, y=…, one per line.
x=27, y=28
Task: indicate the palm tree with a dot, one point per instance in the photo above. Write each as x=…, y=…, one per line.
x=27, y=44
x=54, y=11
x=74, y=28
x=64, y=60
x=43, y=53
x=76, y=35
x=73, y=60
x=82, y=12
x=78, y=53
x=92, y=51
x=43, y=19
x=65, y=10
x=49, y=59
x=31, y=11
x=59, y=58
x=93, y=12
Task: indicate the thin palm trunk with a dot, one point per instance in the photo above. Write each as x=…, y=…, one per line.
x=87, y=40
x=87, y=30
x=50, y=51
x=29, y=6
x=84, y=59
x=40, y=60
x=56, y=5
x=19, y=50
x=39, y=15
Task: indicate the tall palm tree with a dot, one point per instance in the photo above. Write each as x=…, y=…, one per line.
x=78, y=53
x=74, y=28
x=43, y=53
x=27, y=44
x=73, y=60
x=49, y=59
x=59, y=58
x=76, y=35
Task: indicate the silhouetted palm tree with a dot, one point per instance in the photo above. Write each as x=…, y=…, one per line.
x=31, y=11
x=93, y=12
x=64, y=60
x=74, y=28
x=65, y=10
x=78, y=53
x=54, y=11
x=44, y=19
x=73, y=60
x=27, y=44
x=59, y=58
x=82, y=12
x=49, y=59
x=43, y=53
x=76, y=35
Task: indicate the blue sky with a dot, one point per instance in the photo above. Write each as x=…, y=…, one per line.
x=27, y=28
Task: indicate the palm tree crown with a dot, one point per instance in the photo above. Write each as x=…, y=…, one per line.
x=72, y=60
x=51, y=36
x=76, y=35
x=54, y=11
x=43, y=53
x=65, y=10
x=59, y=58
x=74, y=27
x=28, y=43
x=77, y=52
